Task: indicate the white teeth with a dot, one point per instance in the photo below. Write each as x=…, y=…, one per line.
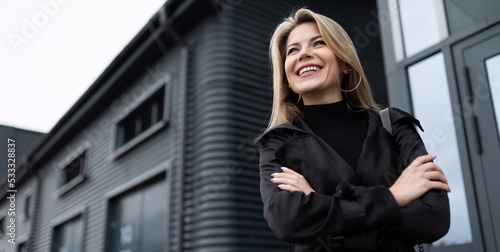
x=307, y=69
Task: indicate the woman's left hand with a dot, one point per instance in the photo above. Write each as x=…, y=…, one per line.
x=290, y=180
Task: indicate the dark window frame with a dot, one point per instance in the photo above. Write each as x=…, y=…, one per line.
x=155, y=104
x=2, y=225
x=74, y=169
x=145, y=116
x=20, y=244
x=159, y=173
x=27, y=206
x=82, y=156
x=75, y=213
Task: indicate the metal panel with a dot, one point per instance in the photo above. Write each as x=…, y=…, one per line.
x=104, y=173
x=137, y=219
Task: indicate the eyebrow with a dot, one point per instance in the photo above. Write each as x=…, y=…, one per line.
x=312, y=39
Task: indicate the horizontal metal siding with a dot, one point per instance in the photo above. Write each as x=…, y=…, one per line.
x=103, y=172
x=206, y=227
x=23, y=224
x=230, y=99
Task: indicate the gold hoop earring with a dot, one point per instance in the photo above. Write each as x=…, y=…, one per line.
x=350, y=90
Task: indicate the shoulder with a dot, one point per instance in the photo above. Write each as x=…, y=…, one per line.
x=399, y=117
x=282, y=133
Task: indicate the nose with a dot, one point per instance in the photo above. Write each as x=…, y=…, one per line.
x=305, y=53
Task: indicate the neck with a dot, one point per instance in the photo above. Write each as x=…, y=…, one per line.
x=325, y=113
x=318, y=100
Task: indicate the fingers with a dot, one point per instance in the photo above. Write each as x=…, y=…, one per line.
x=288, y=176
x=424, y=164
x=419, y=177
x=290, y=180
x=431, y=166
x=289, y=171
x=436, y=176
x=422, y=160
x=288, y=187
x=439, y=185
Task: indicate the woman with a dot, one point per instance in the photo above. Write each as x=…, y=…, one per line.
x=332, y=178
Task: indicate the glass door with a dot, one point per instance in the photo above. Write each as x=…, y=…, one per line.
x=478, y=65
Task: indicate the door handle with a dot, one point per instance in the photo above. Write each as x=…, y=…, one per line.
x=477, y=134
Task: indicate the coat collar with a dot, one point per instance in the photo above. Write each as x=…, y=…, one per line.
x=301, y=127
x=298, y=126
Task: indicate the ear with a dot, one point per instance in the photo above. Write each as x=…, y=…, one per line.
x=345, y=68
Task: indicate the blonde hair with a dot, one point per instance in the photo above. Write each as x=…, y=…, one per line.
x=286, y=104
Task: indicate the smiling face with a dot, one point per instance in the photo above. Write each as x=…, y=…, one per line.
x=311, y=67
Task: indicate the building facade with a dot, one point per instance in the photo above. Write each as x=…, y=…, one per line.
x=442, y=62
x=158, y=154
x=16, y=206
x=26, y=141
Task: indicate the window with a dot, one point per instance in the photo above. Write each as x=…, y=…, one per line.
x=466, y=14
x=137, y=219
x=67, y=237
x=71, y=171
x=492, y=64
x=2, y=226
x=144, y=117
x=27, y=206
x=22, y=247
x=419, y=25
x=432, y=106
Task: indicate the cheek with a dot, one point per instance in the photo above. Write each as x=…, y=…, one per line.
x=288, y=69
x=290, y=76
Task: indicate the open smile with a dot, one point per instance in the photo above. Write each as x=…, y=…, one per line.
x=308, y=70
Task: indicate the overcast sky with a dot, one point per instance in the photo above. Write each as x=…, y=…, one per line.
x=51, y=51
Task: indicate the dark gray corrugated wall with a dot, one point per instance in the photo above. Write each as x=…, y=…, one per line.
x=229, y=99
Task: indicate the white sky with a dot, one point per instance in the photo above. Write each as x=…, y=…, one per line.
x=51, y=51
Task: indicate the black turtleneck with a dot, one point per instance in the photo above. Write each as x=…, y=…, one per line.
x=345, y=131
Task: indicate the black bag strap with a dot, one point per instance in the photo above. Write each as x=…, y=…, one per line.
x=386, y=119
x=386, y=122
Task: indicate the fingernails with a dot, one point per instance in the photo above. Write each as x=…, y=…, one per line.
x=274, y=174
x=284, y=168
x=273, y=179
x=281, y=185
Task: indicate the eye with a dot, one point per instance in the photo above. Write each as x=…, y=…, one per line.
x=292, y=50
x=319, y=42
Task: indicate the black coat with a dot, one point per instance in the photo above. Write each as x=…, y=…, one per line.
x=353, y=203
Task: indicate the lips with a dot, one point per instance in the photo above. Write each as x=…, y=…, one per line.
x=308, y=69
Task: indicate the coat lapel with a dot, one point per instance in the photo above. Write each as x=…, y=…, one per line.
x=324, y=168
x=312, y=157
x=379, y=161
